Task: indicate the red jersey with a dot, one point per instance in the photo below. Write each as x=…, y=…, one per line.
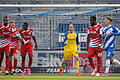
x=6, y=32
x=26, y=35
x=14, y=41
x=95, y=33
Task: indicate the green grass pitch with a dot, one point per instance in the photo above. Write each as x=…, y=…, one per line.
x=57, y=77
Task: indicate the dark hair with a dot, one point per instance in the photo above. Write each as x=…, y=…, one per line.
x=109, y=18
x=93, y=17
x=5, y=17
x=11, y=22
x=25, y=23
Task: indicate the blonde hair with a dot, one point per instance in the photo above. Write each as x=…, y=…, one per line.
x=71, y=24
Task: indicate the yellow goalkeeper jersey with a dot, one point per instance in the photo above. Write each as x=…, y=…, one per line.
x=73, y=41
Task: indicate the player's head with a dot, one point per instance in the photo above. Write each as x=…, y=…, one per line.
x=107, y=21
x=12, y=23
x=5, y=20
x=93, y=20
x=71, y=28
x=25, y=26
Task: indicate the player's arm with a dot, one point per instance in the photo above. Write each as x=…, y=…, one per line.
x=78, y=43
x=100, y=43
x=101, y=33
x=34, y=39
x=88, y=39
x=19, y=37
x=11, y=34
x=116, y=32
x=65, y=39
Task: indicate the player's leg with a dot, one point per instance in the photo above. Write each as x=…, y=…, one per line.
x=75, y=54
x=62, y=66
x=23, y=55
x=7, y=50
x=30, y=53
x=1, y=58
x=10, y=62
x=15, y=59
x=91, y=52
x=66, y=56
x=99, y=61
x=109, y=51
x=115, y=61
x=23, y=65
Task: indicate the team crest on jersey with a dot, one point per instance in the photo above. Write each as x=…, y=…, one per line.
x=74, y=35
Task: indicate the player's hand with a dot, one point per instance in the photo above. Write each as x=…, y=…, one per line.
x=36, y=46
x=110, y=33
x=104, y=35
x=66, y=42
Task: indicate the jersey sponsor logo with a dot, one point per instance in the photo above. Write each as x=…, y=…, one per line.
x=94, y=32
x=26, y=36
x=5, y=32
x=71, y=39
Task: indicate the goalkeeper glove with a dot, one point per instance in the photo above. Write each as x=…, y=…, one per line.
x=66, y=42
x=78, y=47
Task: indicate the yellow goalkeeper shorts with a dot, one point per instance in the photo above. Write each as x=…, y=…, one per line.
x=68, y=54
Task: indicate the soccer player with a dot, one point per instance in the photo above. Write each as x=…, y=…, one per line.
x=109, y=33
x=71, y=42
x=14, y=48
x=27, y=47
x=5, y=39
x=94, y=44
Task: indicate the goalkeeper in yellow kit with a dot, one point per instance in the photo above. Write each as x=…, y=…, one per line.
x=71, y=45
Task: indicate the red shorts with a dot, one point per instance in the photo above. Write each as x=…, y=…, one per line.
x=13, y=51
x=5, y=49
x=28, y=48
x=92, y=51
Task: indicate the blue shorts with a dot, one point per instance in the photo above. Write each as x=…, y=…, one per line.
x=110, y=52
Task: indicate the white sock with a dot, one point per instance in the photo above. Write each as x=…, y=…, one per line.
x=116, y=62
x=107, y=66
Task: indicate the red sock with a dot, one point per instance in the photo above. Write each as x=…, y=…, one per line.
x=10, y=65
x=30, y=63
x=1, y=59
x=23, y=65
x=7, y=63
x=91, y=62
x=99, y=64
x=15, y=64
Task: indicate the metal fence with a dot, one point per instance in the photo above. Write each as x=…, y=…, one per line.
x=50, y=24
